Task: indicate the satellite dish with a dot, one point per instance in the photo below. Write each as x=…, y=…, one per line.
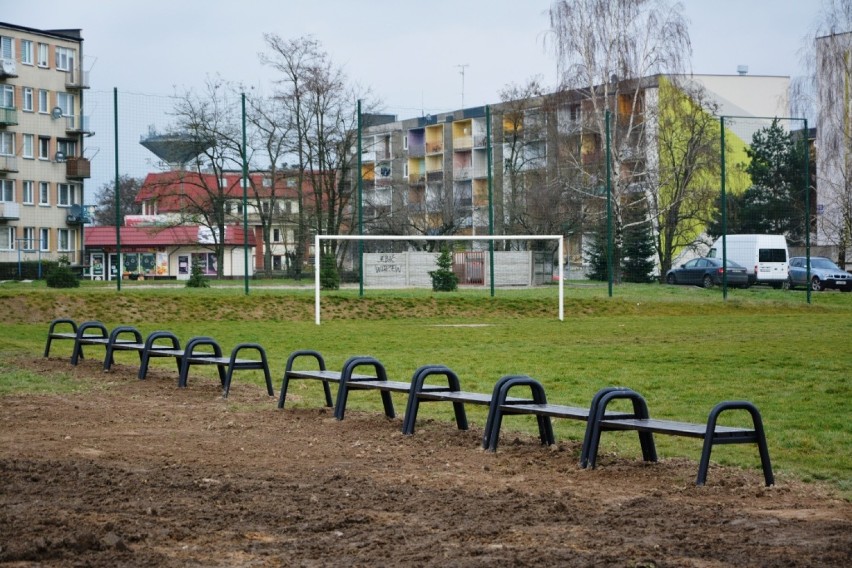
x=60, y=156
x=56, y=112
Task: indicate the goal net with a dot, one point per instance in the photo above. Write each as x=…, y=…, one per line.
x=411, y=269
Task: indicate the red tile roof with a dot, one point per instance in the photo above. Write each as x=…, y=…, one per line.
x=176, y=190
x=160, y=236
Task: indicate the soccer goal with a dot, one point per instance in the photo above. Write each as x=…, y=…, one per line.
x=423, y=271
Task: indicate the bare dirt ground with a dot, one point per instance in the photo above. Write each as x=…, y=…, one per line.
x=141, y=473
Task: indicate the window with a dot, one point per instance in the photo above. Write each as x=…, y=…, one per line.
x=30, y=241
x=43, y=148
x=7, y=238
x=7, y=96
x=44, y=239
x=29, y=146
x=28, y=192
x=7, y=143
x=575, y=112
x=42, y=55
x=67, y=147
x=7, y=47
x=66, y=194
x=64, y=58
x=276, y=235
x=405, y=142
x=42, y=101
x=65, y=239
x=28, y=99
x=26, y=52
x=7, y=190
x=66, y=103
x=44, y=193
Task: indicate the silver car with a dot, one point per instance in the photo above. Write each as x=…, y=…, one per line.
x=824, y=274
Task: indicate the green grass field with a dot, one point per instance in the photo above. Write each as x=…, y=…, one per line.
x=684, y=349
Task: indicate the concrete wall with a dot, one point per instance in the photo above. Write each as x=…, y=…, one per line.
x=411, y=269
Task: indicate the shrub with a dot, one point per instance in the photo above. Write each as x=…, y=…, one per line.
x=444, y=279
x=62, y=276
x=329, y=276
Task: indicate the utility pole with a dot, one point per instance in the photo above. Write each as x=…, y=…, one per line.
x=461, y=71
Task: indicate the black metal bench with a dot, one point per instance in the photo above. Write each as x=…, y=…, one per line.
x=204, y=350
x=87, y=333
x=154, y=348
x=57, y=332
x=418, y=390
x=536, y=406
x=711, y=433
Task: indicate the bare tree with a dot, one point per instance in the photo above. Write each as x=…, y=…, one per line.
x=686, y=176
x=608, y=52
x=211, y=118
x=323, y=118
x=269, y=143
x=524, y=133
x=824, y=91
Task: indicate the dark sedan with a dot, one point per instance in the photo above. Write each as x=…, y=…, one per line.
x=824, y=274
x=707, y=272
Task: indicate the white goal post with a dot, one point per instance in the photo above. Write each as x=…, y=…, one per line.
x=319, y=238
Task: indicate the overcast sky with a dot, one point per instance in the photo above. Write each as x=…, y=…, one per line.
x=409, y=53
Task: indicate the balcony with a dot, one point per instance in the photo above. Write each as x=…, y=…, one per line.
x=462, y=173
x=8, y=116
x=77, y=215
x=78, y=168
x=77, y=125
x=417, y=179
x=434, y=147
x=76, y=79
x=8, y=68
x=416, y=150
x=9, y=211
x=463, y=142
x=8, y=164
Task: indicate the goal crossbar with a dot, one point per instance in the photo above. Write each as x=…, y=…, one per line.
x=319, y=238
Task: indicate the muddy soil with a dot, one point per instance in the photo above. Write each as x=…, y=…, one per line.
x=141, y=473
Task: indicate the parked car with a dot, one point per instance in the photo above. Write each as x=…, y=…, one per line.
x=763, y=256
x=824, y=274
x=708, y=272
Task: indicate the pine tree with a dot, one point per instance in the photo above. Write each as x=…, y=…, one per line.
x=444, y=279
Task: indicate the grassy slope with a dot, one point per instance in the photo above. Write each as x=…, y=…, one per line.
x=682, y=348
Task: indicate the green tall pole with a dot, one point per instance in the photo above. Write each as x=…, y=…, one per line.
x=807, y=186
x=360, y=212
x=117, y=193
x=609, y=267
x=490, y=194
x=724, y=213
x=245, y=201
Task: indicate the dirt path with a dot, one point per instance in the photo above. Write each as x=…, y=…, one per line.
x=139, y=473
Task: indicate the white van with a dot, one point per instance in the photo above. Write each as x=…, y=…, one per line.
x=765, y=257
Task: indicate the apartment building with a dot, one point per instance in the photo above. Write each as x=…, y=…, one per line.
x=429, y=174
x=42, y=131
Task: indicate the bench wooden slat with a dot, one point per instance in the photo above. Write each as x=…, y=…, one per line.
x=333, y=376
x=671, y=427
x=395, y=386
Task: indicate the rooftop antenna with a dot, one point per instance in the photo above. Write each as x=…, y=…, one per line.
x=461, y=71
